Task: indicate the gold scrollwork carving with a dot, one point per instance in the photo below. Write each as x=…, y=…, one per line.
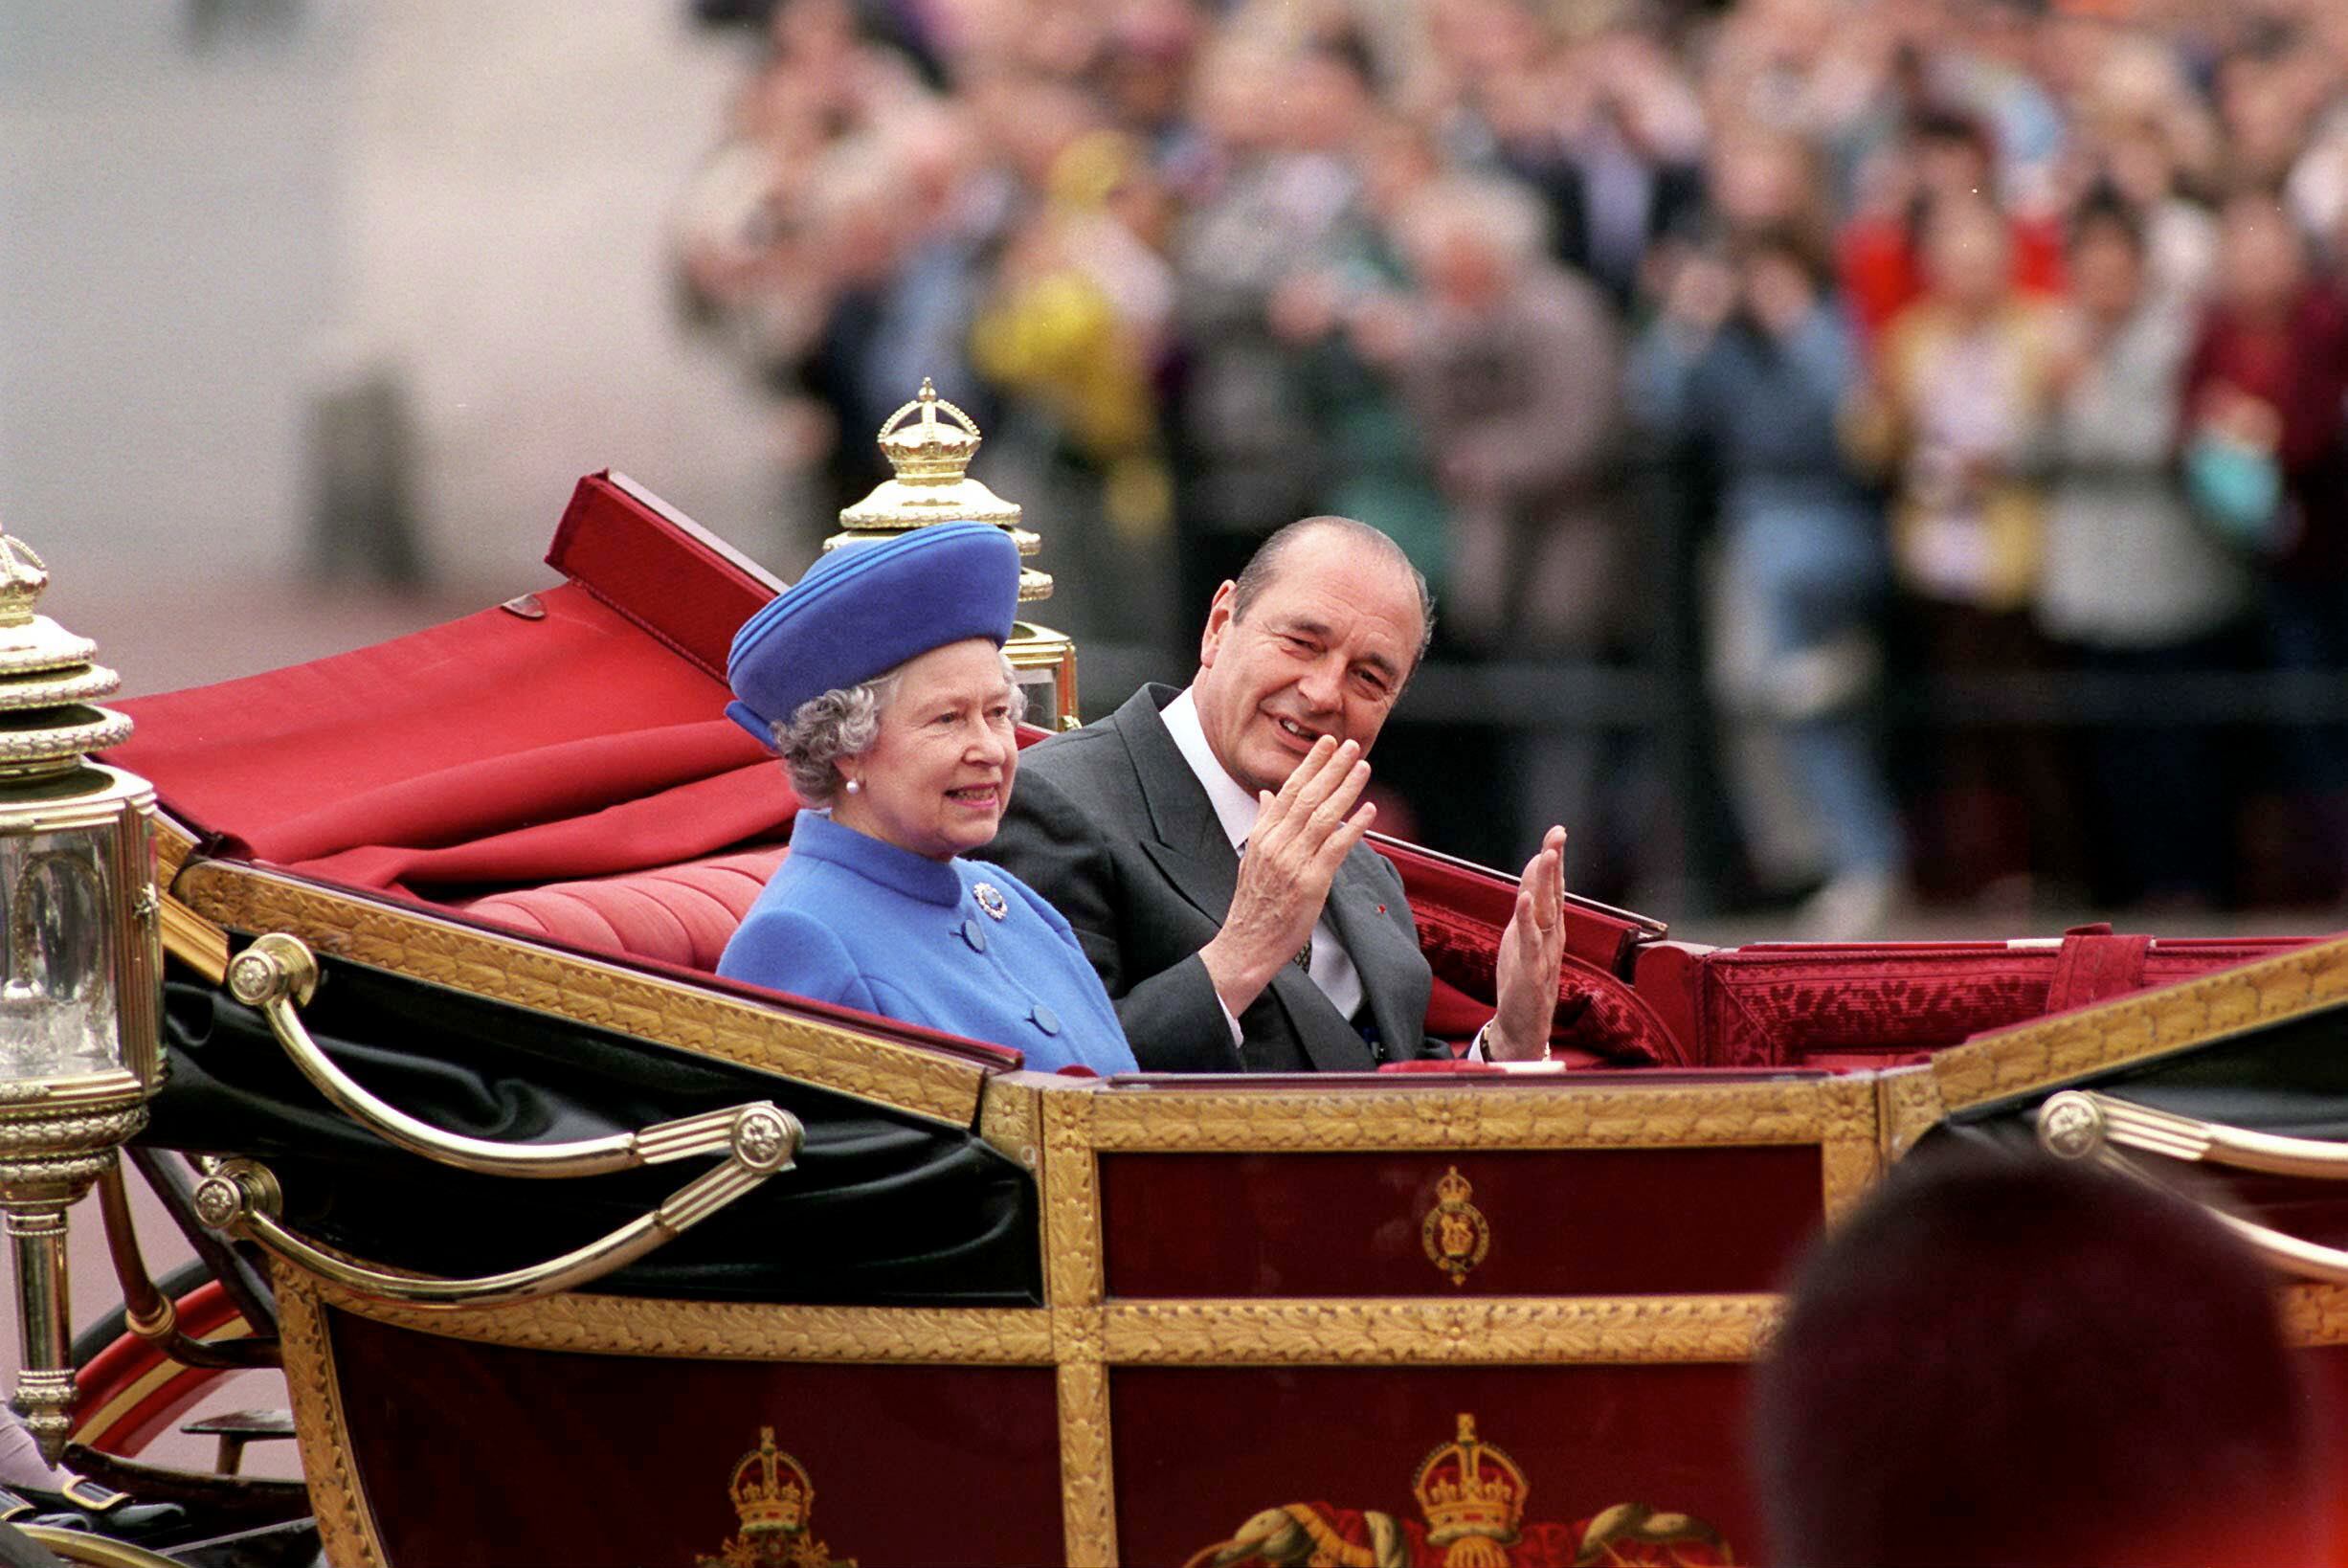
x=1073, y=1274
x=1087, y=1489
x=345, y=1525
x=1011, y=1119
x=588, y=991
x=1598, y=1330
x=2137, y=1028
x=1848, y=1167
x=1908, y=1106
x=2314, y=1315
x=731, y=1330
x=1500, y=1115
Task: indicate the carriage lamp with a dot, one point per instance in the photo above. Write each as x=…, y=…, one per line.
x=81, y=963
x=928, y=443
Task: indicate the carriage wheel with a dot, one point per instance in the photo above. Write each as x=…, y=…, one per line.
x=127, y=1391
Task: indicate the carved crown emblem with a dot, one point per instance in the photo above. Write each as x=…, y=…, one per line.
x=771, y=1492
x=774, y=1498
x=1470, y=1490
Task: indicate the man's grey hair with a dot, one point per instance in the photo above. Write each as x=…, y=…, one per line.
x=845, y=721
x=1265, y=565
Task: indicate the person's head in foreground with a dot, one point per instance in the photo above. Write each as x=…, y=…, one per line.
x=880, y=677
x=1315, y=637
x=2003, y=1360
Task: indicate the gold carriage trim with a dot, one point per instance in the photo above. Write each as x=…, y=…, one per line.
x=1554, y=1114
x=2141, y=1027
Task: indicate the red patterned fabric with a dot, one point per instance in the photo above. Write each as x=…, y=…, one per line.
x=1885, y=1004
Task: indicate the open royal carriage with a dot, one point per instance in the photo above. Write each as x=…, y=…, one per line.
x=574, y=1253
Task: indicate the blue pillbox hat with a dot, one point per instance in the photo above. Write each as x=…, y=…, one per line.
x=865, y=608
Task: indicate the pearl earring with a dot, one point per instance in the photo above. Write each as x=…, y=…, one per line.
x=854, y=787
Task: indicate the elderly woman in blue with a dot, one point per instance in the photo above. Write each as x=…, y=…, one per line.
x=881, y=679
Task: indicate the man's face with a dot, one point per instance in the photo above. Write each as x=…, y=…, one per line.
x=1322, y=651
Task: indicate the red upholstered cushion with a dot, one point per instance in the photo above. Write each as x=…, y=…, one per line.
x=680, y=914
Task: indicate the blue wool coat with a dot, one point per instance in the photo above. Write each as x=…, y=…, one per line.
x=851, y=920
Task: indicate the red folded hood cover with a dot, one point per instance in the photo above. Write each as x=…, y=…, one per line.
x=574, y=733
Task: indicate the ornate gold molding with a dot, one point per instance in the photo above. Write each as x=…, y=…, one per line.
x=345, y=1525
x=2141, y=1027
x=1087, y=1485
x=1560, y=1114
x=1073, y=1272
x=587, y=991
x=174, y=843
x=1011, y=1117
x=731, y=1330
x=2314, y=1315
x=1599, y=1331
x=1848, y=1167
x=1908, y=1106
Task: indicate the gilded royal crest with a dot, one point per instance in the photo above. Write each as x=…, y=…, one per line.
x=1455, y=1232
x=1472, y=1496
x=775, y=1499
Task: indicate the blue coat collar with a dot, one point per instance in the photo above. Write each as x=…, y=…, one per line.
x=817, y=837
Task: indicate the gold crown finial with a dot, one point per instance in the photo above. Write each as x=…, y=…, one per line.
x=47, y=684
x=22, y=580
x=930, y=443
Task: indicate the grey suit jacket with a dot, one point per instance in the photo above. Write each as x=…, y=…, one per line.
x=1109, y=823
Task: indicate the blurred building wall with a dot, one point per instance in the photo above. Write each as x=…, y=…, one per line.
x=213, y=214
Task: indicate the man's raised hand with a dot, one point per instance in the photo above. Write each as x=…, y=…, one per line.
x=1532, y=952
x=1301, y=836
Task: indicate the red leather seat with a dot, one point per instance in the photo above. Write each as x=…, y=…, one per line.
x=679, y=914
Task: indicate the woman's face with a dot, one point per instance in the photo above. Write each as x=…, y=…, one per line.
x=936, y=778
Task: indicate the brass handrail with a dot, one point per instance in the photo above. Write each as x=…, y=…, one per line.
x=279, y=972
x=2189, y=1138
x=242, y=1196
x=2085, y=1124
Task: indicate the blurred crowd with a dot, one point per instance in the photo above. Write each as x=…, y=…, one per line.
x=1986, y=341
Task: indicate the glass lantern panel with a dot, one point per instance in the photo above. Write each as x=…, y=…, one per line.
x=57, y=1011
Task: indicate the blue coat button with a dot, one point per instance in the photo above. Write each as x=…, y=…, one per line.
x=976, y=937
x=1044, y=1019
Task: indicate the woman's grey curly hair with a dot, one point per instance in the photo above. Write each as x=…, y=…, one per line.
x=844, y=722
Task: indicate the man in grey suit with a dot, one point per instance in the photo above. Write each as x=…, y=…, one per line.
x=1207, y=844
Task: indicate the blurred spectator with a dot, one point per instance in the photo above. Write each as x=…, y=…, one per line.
x=1284, y=188
x=1511, y=365
x=1943, y=159
x=2266, y=456
x=2010, y=1363
x=1752, y=361
x=1369, y=461
x=2132, y=582
x=1966, y=375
